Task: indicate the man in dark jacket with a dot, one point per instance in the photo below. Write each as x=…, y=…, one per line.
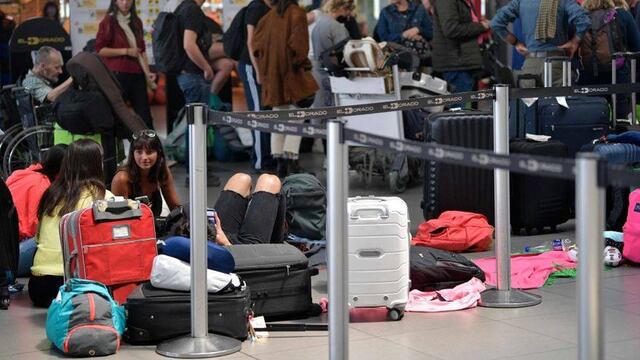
x=455, y=46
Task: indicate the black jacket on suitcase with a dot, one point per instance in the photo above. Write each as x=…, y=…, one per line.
x=456, y=187
x=279, y=277
x=538, y=201
x=154, y=315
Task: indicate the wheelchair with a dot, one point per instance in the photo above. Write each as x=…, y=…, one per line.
x=25, y=140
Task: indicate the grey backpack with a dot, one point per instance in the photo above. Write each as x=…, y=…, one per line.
x=306, y=200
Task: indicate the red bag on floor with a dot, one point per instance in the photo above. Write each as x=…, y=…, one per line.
x=455, y=231
x=113, y=242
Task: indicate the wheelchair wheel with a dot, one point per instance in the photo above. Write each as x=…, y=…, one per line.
x=8, y=135
x=26, y=146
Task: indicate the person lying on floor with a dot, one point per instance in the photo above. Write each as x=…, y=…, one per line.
x=146, y=173
x=243, y=217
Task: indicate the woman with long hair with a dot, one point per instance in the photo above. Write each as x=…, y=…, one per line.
x=51, y=11
x=78, y=184
x=281, y=48
x=120, y=43
x=146, y=173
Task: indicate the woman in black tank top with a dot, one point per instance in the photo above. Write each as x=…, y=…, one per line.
x=146, y=173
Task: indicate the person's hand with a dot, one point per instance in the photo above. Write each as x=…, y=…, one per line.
x=521, y=49
x=258, y=78
x=417, y=38
x=410, y=33
x=152, y=77
x=570, y=47
x=221, y=238
x=208, y=73
x=133, y=52
x=486, y=23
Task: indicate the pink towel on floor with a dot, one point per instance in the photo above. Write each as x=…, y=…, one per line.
x=528, y=271
x=463, y=296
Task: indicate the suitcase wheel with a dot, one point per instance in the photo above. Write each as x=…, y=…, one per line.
x=554, y=228
x=528, y=231
x=395, y=314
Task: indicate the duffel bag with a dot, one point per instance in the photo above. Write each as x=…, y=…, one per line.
x=433, y=269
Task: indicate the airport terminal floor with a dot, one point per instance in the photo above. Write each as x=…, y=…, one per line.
x=547, y=331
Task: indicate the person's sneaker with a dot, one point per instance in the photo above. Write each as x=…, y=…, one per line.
x=5, y=300
x=212, y=181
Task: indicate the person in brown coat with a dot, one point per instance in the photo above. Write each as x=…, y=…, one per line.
x=281, y=47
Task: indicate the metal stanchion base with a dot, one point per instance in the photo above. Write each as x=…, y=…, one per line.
x=187, y=347
x=494, y=298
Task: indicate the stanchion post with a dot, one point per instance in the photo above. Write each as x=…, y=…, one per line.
x=337, y=242
x=614, y=97
x=504, y=296
x=634, y=98
x=590, y=205
x=199, y=344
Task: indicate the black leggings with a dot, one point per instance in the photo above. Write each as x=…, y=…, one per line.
x=254, y=220
x=43, y=289
x=134, y=88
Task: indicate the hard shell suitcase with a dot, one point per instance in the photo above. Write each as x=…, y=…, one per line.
x=585, y=119
x=154, y=315
x=113, y=242
x=378, y=254
x=536, y=201
x=456, y=187
x=279, y=277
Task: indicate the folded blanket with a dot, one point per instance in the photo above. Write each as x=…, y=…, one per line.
x=463, y=296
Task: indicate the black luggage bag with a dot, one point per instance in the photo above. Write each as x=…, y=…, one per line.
x=456, y=187
x=279, y=277
x=434, y=269
x=154, y=315
x=537, y=201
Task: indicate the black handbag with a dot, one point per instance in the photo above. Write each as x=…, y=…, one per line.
x=420, y=47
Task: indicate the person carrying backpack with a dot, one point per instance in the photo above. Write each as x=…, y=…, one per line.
x=613, y=29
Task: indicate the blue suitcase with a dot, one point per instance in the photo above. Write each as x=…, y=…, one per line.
x=586, y=119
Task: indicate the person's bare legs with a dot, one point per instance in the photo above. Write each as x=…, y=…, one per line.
x=239, y=183
x=222, y=68
x=269, y=183
x=216, y=51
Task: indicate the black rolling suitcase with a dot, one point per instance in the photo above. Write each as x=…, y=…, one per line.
x=455, y=187
x=154, y=315
x=536, y=201
x=279, y=277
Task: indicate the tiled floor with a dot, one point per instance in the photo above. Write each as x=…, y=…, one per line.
x=546, y=332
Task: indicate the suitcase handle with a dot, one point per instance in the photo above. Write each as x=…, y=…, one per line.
x=370, y=197
x=382, y=211
x=116, y=209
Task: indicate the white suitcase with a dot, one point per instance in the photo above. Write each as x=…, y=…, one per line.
x=379, y=253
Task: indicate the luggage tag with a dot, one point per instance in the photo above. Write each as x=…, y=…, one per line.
x=257, y=323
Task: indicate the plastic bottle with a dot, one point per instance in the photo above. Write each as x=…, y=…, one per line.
x=537, y=249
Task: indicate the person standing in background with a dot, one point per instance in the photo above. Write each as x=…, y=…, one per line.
x=51, y=11
x=120, y=43
x=456, y=53
x=252, y=84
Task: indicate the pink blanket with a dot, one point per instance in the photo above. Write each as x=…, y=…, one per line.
x=528, y=271
x=463, y=296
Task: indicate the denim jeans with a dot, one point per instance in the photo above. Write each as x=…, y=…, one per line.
x=462, y=81
x=195, y=90
x=27, y=251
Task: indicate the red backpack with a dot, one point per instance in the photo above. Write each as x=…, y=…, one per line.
x=455, y=231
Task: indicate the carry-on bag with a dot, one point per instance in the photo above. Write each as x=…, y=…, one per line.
x=538, y=202
x=378, y=254
x=112, y=242
x=457, y=231
x=631, y=229
x=279, y=277
x=434, y=269
x=84, y=321
x=154, y=315
x=457, y=187
x=585, y=119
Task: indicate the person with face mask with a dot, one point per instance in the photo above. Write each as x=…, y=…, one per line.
x=45, y=74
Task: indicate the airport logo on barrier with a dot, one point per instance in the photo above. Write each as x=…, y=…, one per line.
x=302, y=113
x=441, y=101
x=257, y=125
x=311, y=131
x=440, y=153
x=231, y=120
x=365, y=139
x=263, y=116
x=404, y=147
x=285, y=128
x=486, y=159
x=482, y=96
x=585, y=90
x=399, y=105
x=354, y=110
x=533, y=165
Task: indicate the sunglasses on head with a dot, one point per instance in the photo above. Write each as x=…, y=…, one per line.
x=146, y=133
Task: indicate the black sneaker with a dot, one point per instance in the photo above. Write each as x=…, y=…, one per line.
x=5, y=300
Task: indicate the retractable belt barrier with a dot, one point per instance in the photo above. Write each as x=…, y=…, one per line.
x=275, y=122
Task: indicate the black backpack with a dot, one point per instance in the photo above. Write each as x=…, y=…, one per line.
x=234, y=39
x=434, y=269
x=306, y=200
x=167, y=43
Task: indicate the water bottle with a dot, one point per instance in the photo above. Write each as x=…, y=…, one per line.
x=536, y=249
